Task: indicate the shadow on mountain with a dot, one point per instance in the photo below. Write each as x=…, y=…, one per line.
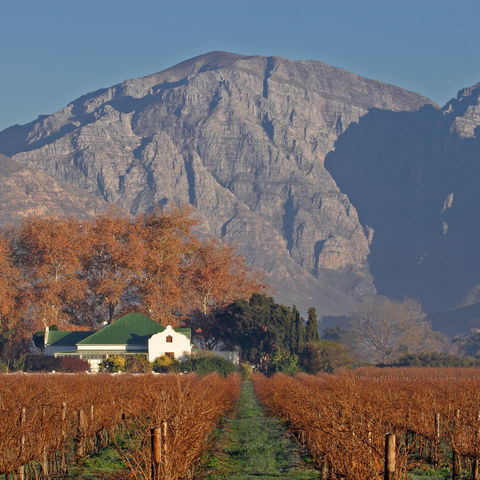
x=14, y=139
x=460, y=321
x=416, y=184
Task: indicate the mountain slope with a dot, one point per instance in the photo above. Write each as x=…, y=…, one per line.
x=27, y=192
x=414, y=178
x=244, y=140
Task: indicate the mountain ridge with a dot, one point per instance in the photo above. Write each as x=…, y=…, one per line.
x=244, y=139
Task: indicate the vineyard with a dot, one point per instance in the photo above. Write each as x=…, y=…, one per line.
x=343, y=420
x=50, y=422
x=366, y=424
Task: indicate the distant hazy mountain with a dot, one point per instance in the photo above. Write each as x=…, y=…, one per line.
x=245, y=140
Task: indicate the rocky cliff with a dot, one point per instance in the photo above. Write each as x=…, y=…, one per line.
x=414, y=177
x=26, y=192
x=244, y=140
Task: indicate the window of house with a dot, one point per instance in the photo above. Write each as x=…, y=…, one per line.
x=170, y=354
x=169, y=339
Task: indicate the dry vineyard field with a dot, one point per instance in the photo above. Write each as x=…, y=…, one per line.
x=161, y=425
x=50, y=422
x=343, y=420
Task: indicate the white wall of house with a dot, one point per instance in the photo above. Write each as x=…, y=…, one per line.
x=114, y=348
x=158, y=345
x=231, y=355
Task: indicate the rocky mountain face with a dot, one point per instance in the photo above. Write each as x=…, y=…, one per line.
x=27, y=192
x=414, y=177
x=244, y=140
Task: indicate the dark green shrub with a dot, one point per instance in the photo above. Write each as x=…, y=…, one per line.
x=165, y=364
x=283, y=361
x=42, y=363
x=246, y=370
x=113, y=364
x=324, y=356
x=137, y=364
x=435, y=359
x=205, y=362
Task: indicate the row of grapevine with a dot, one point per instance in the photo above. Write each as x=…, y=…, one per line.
x=343, y=419
x=48, y=422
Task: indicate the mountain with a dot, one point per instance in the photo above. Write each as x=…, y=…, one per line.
x=457, y=322
x=414, y=177
x=27, y=192
x=244, y=140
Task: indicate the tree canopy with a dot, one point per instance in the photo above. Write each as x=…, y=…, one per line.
x=79, y=273
x=261, y=328
x=385, y=329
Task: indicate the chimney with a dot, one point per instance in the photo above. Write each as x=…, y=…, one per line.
x=45, y=340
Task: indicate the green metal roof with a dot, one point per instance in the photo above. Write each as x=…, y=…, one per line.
x=65, y=339
x=186, y=331
x=131, y=329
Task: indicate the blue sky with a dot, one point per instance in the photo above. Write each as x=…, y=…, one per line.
x=53, y=51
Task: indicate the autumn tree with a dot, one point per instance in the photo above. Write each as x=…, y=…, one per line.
x=215, y=276
x=9, y=308
x=48, y=253
x=386, y=328
x=113, y=265
x=12, y=331
x=82, y=272
x=167, y=243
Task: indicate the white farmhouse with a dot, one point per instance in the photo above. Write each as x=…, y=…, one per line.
x=131, y=334
x=174, y=343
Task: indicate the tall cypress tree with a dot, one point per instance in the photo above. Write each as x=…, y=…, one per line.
x=298, y=330
x=311, y=333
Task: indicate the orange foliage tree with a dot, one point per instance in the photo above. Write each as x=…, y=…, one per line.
x=112, y=265
x=80, y=273
x=215, y=276
x=8, y=287
x=49, y=252
x=167, y=240
x=12, y=330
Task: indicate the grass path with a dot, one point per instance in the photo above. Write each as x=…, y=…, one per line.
x=254, y=446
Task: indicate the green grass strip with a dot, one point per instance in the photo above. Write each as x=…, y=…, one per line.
x=254, y=446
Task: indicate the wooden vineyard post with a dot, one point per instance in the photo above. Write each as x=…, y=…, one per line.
x=23, y=419
x=475, y=475
x=389, y=456
x=369, y=437
x=436, y=453
x=64, y=437
x=475, y=466
x=44, y=462
x=331, y=472
x=91, y=441
x=324, y=474
x=80, y=438
x=122, y=410
x=164, y=443
x=455, y=456
x=156, y=452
